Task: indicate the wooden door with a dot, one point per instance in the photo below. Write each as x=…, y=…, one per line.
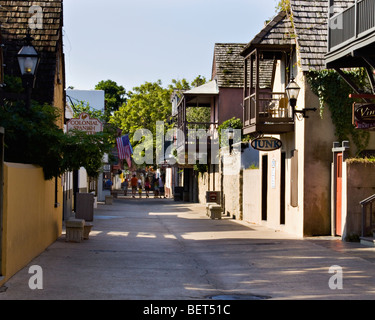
x=338, y=219
x=282, y=188
x=264, y=186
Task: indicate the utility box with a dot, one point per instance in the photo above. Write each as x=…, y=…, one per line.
x=213, y=197
x=85, y=206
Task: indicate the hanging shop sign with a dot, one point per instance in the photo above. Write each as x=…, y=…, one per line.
x=364, y=115
x=266, y=144
x=85, y=123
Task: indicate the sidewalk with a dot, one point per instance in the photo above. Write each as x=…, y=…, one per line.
x=159, y=249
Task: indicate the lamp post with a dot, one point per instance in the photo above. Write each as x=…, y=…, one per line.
x=230, y=138
x=292, y=91
x=28, y=60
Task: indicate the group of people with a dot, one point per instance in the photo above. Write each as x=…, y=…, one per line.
x=156, y=184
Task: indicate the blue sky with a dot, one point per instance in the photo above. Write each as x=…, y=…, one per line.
x=132, y=42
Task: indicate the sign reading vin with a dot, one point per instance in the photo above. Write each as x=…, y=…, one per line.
x=266, y=144
x=364, y=115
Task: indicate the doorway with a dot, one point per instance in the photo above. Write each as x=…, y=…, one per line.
x=264, y=186
x=338, y=217
x=282, y=188
x=1, y=195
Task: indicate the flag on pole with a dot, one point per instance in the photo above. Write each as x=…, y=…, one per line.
x=124, y=149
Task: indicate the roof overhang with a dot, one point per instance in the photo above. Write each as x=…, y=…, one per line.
x=348, y=56
x=201, y=96
x=257, y=40
x=209, y=88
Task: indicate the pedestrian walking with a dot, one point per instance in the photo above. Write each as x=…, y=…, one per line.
x=108, y=184
x=125, y=185
x=134, y=184
x=147, y=186
x=156, y=188
x=161, y=187
x=140, y=187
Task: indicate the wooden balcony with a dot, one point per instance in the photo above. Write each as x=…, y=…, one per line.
x=193, y=136
x=269, y=113
x=351, y=35
x=266, y=107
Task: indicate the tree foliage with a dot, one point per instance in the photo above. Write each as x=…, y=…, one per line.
x=234, y=123
x=149, y=103
x=33, y=137
x=333, y=91
x=115, y=96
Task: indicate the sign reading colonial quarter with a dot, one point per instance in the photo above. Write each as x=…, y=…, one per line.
x=85, y=123
x=266, y=144
x=364, y=115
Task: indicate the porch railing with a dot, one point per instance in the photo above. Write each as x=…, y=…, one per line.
x=350, y=24
x=368, y=216
x=184, y=137
x=268, y=108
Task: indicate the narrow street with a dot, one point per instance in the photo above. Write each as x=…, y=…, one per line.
x=159, y=249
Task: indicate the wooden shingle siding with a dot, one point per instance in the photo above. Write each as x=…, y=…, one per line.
x=14, y=18
x=309, y=29
x=228, y=66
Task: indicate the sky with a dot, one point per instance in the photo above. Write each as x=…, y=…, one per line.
x=133, y=42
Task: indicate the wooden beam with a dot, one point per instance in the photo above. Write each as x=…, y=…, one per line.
x=348, y=81
x=362, y=96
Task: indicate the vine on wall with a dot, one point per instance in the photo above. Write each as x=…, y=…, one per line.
x=334, y=92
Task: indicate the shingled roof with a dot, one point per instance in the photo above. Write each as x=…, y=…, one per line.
x=14, y=18
x=310, y=31
x=228, y=65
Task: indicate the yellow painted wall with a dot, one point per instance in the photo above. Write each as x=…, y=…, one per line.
x=31, y=221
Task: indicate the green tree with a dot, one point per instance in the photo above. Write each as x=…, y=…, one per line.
x=146, y=105
x=193, y=114
x=83, y=106
x=33, y=136
x=115, y=96
x=233, y=123
x=149, y=103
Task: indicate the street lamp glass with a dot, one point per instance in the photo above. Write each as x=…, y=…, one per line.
x=230, y=133
x=292, y=90
x=28, y=60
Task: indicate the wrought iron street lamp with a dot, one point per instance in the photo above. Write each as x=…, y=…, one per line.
x=292, y=91
x=28, y=60
x=230, y=138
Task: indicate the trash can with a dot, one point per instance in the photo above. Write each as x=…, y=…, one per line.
x=85, y=206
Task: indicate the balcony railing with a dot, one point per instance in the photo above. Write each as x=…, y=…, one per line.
x=270, y=112
x=354, y=22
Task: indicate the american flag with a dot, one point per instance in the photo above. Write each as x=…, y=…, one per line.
x=124, y=149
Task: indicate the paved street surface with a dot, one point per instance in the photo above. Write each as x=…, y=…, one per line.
x=159, y=249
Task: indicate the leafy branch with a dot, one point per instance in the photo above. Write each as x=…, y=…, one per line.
x=334, y=92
